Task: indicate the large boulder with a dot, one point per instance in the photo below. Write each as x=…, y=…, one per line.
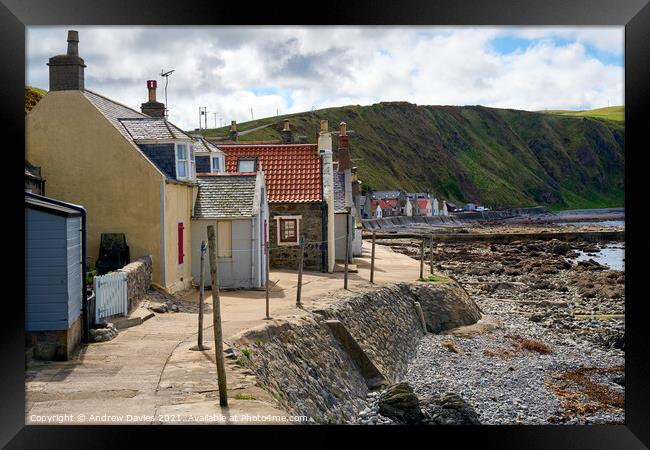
x=449, y=409
x=400, y=403
x=559, y=247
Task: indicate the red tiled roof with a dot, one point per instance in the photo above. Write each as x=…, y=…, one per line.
x=292, y=171
x=387, y=204
x=422, y=203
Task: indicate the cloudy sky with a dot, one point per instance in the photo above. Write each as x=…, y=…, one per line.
x=275, y=70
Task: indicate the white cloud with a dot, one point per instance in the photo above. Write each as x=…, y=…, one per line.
x=291, y=69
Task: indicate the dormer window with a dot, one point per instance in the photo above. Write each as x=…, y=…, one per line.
x=246, y=165
x=185, y=162
x=215, y=163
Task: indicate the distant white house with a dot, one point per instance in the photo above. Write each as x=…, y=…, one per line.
x=443, y=210
x=435, y=208
x=377, y=213
x=407, y=210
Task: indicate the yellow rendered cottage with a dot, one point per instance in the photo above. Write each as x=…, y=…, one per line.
x=133, y=171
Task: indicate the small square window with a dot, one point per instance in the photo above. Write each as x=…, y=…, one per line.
x=246, y=165
x=288, y=230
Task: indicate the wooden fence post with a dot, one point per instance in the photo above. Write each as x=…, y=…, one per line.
x=216, y=317
x=422, y=260
x=300, y=263
x=372, y=259
x=431, y=253
x=201, y=284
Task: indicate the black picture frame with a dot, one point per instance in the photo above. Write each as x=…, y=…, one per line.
x=15, y=15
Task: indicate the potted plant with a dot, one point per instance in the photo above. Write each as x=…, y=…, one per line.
x=90, y=277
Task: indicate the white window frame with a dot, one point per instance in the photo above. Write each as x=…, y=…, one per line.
x=220, y=160
x=243, y=159
x=189, y=162
x=192, y=162
x=298, y=219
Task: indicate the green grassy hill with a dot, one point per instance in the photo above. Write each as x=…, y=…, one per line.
x=615, y=113
x=32, y=97
x=496, y=157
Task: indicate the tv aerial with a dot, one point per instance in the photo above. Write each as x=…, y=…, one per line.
x=166, y=76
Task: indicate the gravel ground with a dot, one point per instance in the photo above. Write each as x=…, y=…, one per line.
x=510, y=385
x=570, y=371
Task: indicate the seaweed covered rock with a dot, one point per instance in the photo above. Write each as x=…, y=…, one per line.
x=400, y=403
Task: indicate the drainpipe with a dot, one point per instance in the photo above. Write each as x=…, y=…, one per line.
x=84, y=269
x=252, y=251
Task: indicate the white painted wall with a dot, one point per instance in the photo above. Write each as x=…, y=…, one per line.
x=325, y=150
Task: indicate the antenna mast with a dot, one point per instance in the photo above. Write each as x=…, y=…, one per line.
x=166, y=76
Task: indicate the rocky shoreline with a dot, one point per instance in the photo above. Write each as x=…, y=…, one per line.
x=550, y=349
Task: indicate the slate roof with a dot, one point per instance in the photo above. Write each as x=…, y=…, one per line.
x=339, y=192
x=202, y=145
x=225, y=195
x=385, y=194
x=151, y=129
x=292, y=171
x=133, y=124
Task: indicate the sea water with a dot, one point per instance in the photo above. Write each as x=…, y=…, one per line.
x=604, y=223
x=612, y=256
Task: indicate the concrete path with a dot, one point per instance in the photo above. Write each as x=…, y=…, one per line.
x=147, y=374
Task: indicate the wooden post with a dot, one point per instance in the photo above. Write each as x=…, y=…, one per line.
x=201, y=283
x=266, y=285
x=422, y=260
x=347, y=247
x=372, y=259
x=300, y=261
x=431, y=253
x=216, y=317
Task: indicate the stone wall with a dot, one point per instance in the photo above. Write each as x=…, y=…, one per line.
x=308, y=371
x=138, y=276
x=56, y=344
x=286, y=257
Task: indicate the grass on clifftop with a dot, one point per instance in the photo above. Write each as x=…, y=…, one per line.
x=615, y=113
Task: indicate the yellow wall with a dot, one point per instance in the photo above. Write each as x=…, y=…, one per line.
x=88, y=162
x=178, y=204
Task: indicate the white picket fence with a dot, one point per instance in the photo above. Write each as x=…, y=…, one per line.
x=110, y=295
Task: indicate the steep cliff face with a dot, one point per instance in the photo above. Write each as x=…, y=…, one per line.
x=497, y=157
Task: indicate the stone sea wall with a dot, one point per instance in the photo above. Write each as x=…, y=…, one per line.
x=311, y=373
x=138, y=276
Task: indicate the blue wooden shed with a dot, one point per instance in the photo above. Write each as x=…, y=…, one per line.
x=54, y=270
